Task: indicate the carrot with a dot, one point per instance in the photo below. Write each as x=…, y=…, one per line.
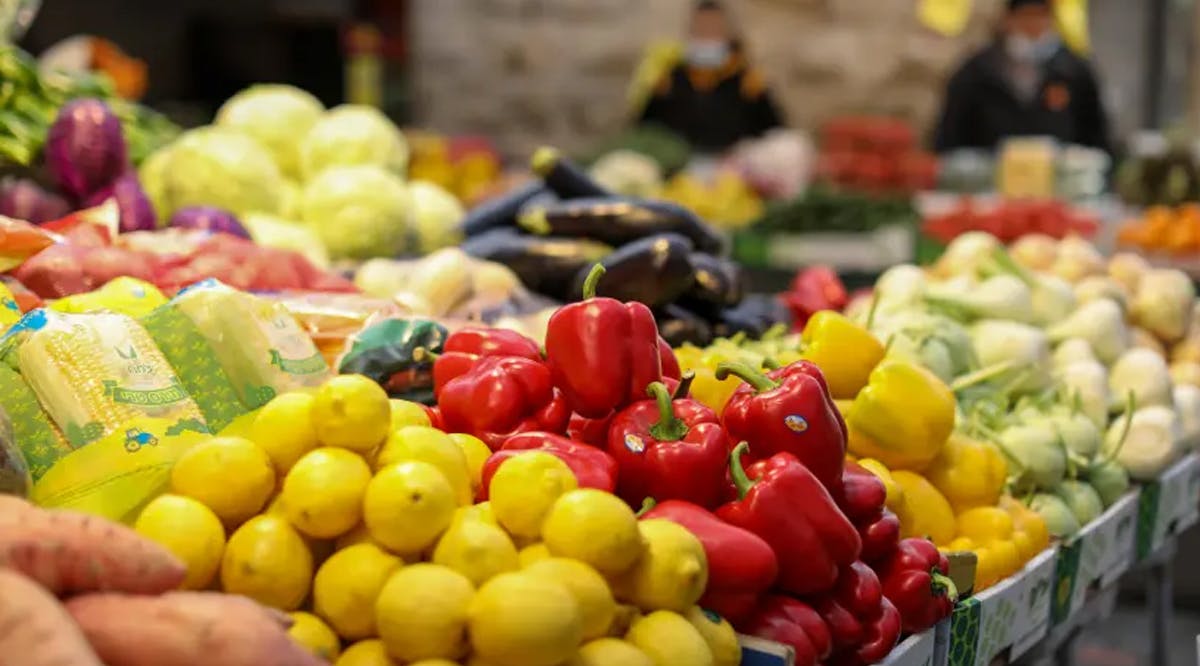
x=70, y=552
x=185, y=629
x=35, y=630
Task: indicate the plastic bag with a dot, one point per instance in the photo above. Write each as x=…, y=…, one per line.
x=125, y=295
x=331, y=319
x=20, y=240
x=14, y=473
x=386, y=351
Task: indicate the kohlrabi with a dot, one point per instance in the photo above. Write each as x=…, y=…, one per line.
x=1109, y=479
x=1128, y=268
x=1101, y=323
x=1073, y=350
x=1077, y=259
x=997, y=297
x=1163, y=303
x=1087, y=382
x=1060, y=520
x=1187, y=407
x=1036, y=454
x=1083, y=500
x=1096, y=287
x=966, y=254
x=1144, y=374
x=1026, y=348
x=1152, y=443
x=1036, y=252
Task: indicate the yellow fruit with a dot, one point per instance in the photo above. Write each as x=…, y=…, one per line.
x=595, y=527
x=358, y=534
x=672, y=572
x=721, y=638
x=610, y=652
x=405, y=413
x=347, y=585
x=190, y=530
x=670, y=640
x=625, y=616
x=267, y=560
x=477, y=454
x=229, y=475
x=596, y=605
x=482, y=511
x=475, y=549
x=433, y=662
x=323, y=494
x=351, y=412
x=421, y=613
x=314, y=635
x=525, y=487
x=407, y=506
x=518, y=619
x=284, y=429
x=429, y=445
x=371, y=652
x=534, y=552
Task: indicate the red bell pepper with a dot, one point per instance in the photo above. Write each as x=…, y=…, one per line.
x=466, y=346
x=603, y=353
x=879, y=537
x=814, y=289
x=741, y=566
x=593, y=468
x=501, y=396
x=670, y=364
x=781, y=501
x=788, y=410
x=669, y=449
x=589, y=431
x=862, y=495
x=916, y=579
x=435, y=416
x=794, y=623
x=880, y=636
x=854, y=612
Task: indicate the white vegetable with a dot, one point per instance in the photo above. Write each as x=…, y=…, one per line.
x=1039, y=456
x=1088, y=380
x=966, y=253
x=383, y=278
x=1127, y=269
x=1143, y=339
x=998, y=297
x=1163, y=303
x=1077, y=259
x=1035, y=251
x=1187, y=407
x=998, y=341
x=1098, y=286
x=490, y=278
x=1101, y=323
x=1073, y=350
x=900, y=286
x=1078, y=432
x=629, y=173
x=443, y=279
x=1053, y=299
x=1144, y=373
x=1154, y=442
x=1185, y=372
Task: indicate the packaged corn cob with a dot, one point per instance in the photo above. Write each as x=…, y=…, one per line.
x=40, y=442
x=10, y=312
x=258, y=344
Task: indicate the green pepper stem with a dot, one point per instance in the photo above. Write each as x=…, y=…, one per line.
x=753, y=377
x=944, y=584
x=669, y=427
x=592, y=281
x=421, y=354
x=685, y=386
x=776, y=331
x=770, y=364
x=647, y=504
x=737, y=472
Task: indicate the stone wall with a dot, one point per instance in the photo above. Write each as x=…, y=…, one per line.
x=534, y=71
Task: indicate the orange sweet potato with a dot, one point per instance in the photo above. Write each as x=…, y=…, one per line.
x=185, y=629
x=35, y=630
x=68, y=553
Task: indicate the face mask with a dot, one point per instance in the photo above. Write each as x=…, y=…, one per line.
x=708, y=54
x=1024, y=49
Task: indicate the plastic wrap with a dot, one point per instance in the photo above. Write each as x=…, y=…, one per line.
x=331, y=319
x=14, y=473
x=386, y=350
x=20, y=240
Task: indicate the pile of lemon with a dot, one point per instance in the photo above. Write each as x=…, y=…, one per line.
x=349, y=511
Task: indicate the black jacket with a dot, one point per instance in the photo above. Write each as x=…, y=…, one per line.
x=713, y=110
x=981, y=108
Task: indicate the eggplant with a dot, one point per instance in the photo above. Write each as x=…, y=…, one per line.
x=564, y=177
x=718, y=285
x=754, y=316
x=502, y=210
x=545, y=264
x=617, y=220
x=654, y=270
x=677, y=325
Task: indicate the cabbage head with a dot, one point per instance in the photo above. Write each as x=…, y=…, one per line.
x=436, y=215
x=352, y=134
x=274, y=115
x=283, y=234
x=359, y=211
x=210, y=166
x=152, y=174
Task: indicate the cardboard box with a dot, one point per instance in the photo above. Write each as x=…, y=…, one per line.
x=1034, y=602
x=1096, y=557
x=871, y=251
x=988, y=624
x=759, y=652
x=914, y=651
x=1169, y=505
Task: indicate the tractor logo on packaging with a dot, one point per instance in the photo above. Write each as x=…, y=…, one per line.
x=136, y=438
x=796, y=423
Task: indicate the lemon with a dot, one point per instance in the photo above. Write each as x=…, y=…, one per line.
x=609, y=652
x=672, y=572
x=314, y=635
x=346, y=586
x=284, y=429
x=532, y=553
x=721, y=638
x=407, y=506
x=370, y=652
x=596, y=605
x=357, y=534
x=267, y=560
x=351, y=412
x=595, y=527
x=421, y=613
x=477, y=454
x=524, y=488
x=482, y=511
x=229, y=475
x=433, y=662
x=322, y=495
x=624, y=618
x=476, y=549
x=429, y=445
x=405, y=413
x=190, y=530
x=518, y=619
x=670, y=640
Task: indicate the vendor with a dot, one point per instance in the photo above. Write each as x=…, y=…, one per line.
x=713, y=99
x=1025, y=83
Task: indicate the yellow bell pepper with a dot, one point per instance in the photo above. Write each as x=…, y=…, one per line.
x=968, y=472
x=1028, y=521
x=959, y=544
x=985, y=524
x=689, y=356
x=1008, y=558
x=1024, y=544
x=925, y=512
x=710, y=391
x=895, y=494
x=902, y=417
x=845, y=352
x=987, y=568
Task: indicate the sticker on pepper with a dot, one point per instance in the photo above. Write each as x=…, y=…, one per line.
x=634, y=443
x=795, y=423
